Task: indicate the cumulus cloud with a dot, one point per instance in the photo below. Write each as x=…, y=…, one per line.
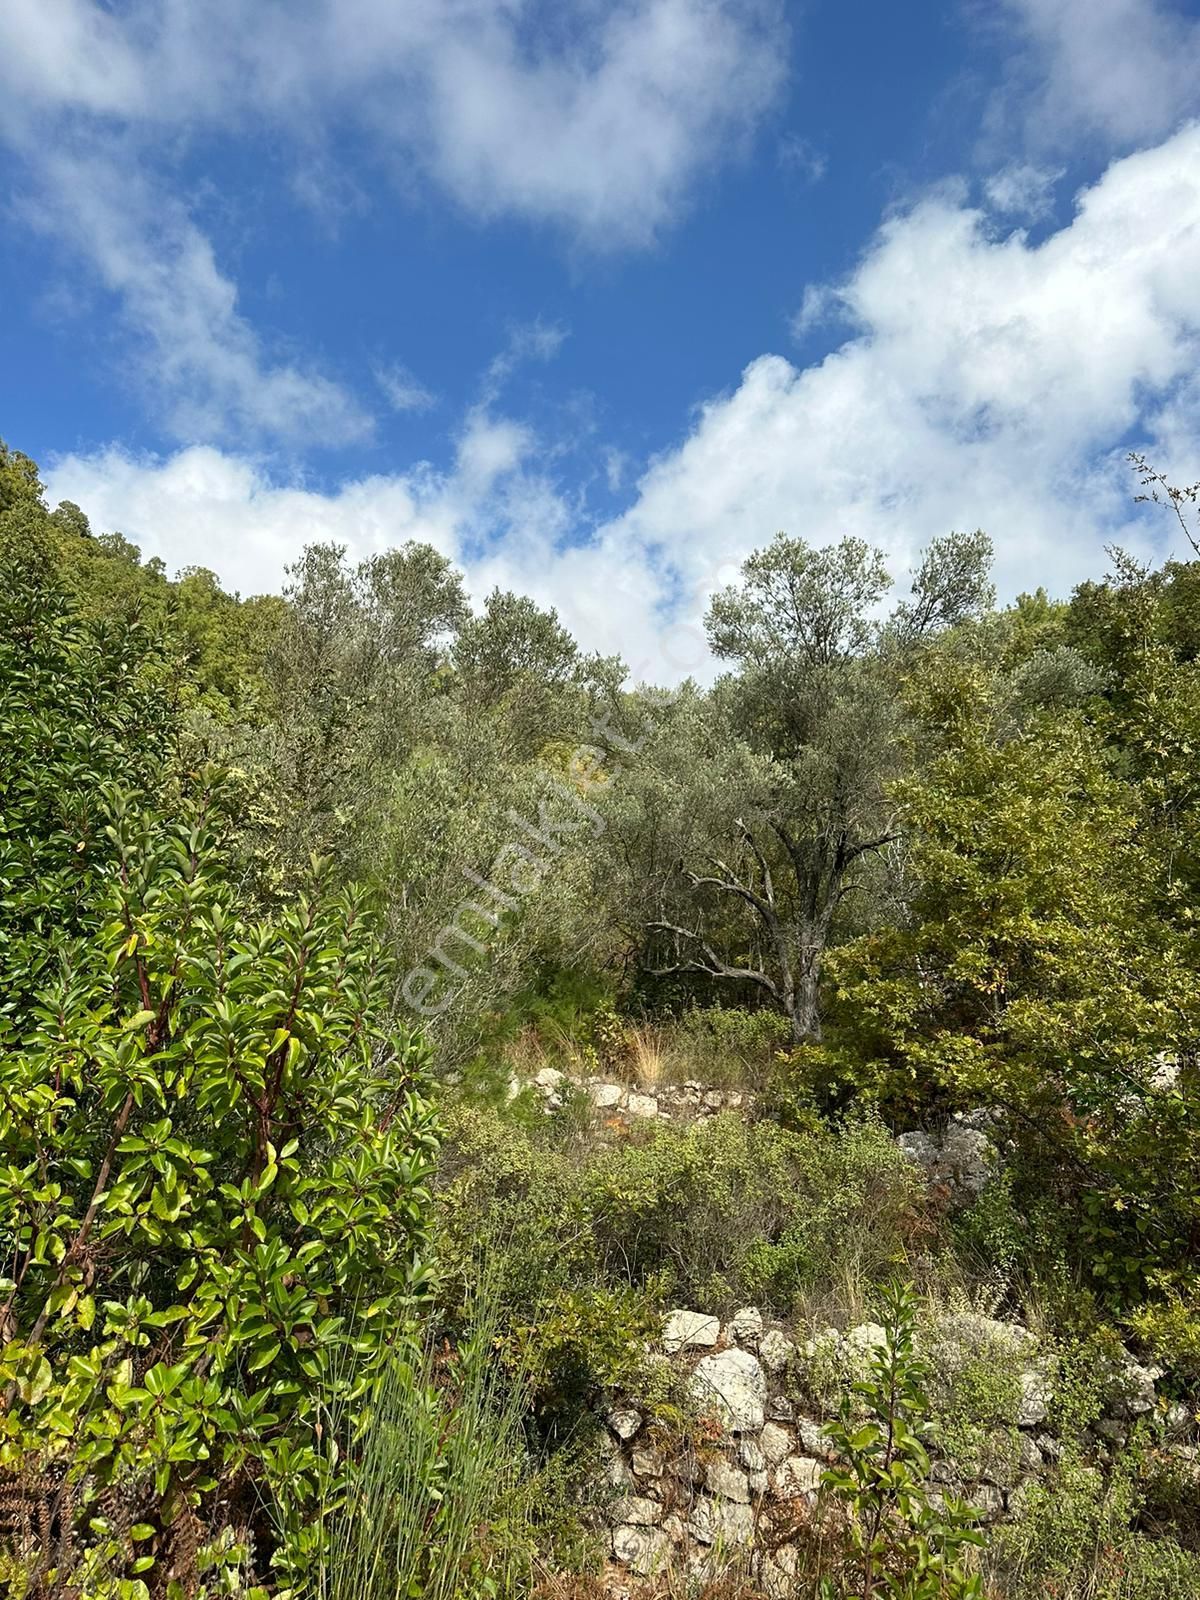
x=188, y=339
x=598, y=120
x=1023, y=189
x=986, y=381
x=1123, y=69
x=598, y=117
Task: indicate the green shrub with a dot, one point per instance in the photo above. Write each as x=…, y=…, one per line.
x=1171, y=1331
x=900, y=1543
x=1075, y=1539
x=728, y=1045
x=214, y=1150
x=717, y=1213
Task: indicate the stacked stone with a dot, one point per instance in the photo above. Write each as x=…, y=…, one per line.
x=672, y=1102
x=688, y=1508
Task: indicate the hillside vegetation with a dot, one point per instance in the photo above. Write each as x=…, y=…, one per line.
x=401, y=1014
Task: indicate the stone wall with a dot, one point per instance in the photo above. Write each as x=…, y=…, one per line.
x=672, y=1102
x=746, y=1478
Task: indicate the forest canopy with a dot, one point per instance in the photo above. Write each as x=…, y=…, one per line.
x=298, y=891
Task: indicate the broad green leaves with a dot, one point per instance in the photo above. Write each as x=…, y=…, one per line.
x=214, y=1155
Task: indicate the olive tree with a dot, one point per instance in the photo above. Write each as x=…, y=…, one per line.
x=812, y=699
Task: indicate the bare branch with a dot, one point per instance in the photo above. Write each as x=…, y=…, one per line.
x=712, y=965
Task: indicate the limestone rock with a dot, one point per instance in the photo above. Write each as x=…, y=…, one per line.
x=642, y=1550
x=689, y=1330
x=861, y=1342
x=774, y=1444
x=987, y=1501
x=1135, y=1394
x=732, y=1384
x=798, y=1475
x=813, y=1438
x=728, y=1481
x=606, y=1096
x=778, y=1575
x=1031, y=1457
x=624, y=1420
x=1036, y=1395
x=747, y=1326
x=637, y=1509
x=642, y=1105
x=962, y=1160
x=647, y=1463
x=775, y=1351
x=726, y=1520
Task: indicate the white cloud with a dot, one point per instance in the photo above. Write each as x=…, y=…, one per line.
x=802, y=159
x=987, y=382
x=190, y=343
x=403, y=391
x=1023, y=190
x=598, y=119
x=1124, y=69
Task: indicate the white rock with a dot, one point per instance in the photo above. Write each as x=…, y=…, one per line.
x=726, y=1520
x=687, y=1466
x=732, y=1384
x=778, y=1576
x=1135, y=1389
x=606, y=1096
x=798, y=1475
x=549, y=1078
x=642, y=1105
x=1178, y=1420
x=861, y=1342
x=750, y=1454
x=618, y=1472
x=813, y=1437
x=675, y=1528
x=647, y=1463
x=728, y=1481
x=775, y=1444
x=775, y=1350
x=747, y=1326
x=689, y=1330
x=643, y=1550
x=961, y=1162
x=1036, y=1395
x=624, y=1421
x=987, y=1501
x=637, y=1509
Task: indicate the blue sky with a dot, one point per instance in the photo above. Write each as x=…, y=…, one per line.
x=596, y=296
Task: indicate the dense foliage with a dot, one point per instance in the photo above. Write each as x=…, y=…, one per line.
x=277, y=874
x=214, y=1189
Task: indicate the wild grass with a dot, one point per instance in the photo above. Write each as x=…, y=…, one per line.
x=439, y=1498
